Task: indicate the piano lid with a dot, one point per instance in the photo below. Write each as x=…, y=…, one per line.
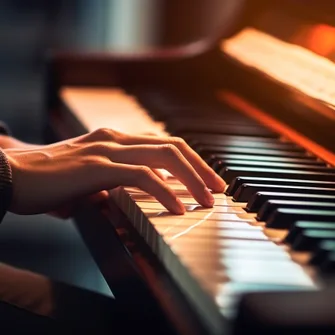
x=283, y=60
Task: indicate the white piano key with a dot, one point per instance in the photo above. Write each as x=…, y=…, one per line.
x=190, y=201
x=195, y=217
x=190, y=208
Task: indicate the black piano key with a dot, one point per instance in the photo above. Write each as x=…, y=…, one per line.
x=309, y=239
x=284, y=218
x=286, y=312
x=229, y=173
x=328, y=265
x=258, y=200
x=216, y=145
x=270, y=206
x=296, y=160
x=217, y=139
x=246, y=191
x=278, y=165
x=218, y=163
x=207, y=150
x=237, y=182
x=321, y=251
x=299, y=226
x=178, y=128
x=194, y=123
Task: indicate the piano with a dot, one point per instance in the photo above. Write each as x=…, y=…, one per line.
x=258, y=105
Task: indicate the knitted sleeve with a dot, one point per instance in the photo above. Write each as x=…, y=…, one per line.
x=4, y=130
x=5, y=184
x=5, y=177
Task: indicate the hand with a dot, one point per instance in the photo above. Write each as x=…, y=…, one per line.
x=8, y=142
x=47, y=177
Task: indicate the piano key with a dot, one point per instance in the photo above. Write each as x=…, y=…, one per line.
x=272, y=255
x=216, y=163
x=208, y=138
x=206, y=150
x=286, y=312
x=194, y=230
x=144, y=205
x=321, y=252
x=289, y=274
x=237, y=182
x=178, y=128
x=328, y=265
x=188, y=200
x=197, y=217
x=309, y=239
x=284, y=218
x=276, y=165
x=200, y=123
x=300, y=226
x=246, y=191
x=258, y=200
x=229, y=173
x=270, y=206
x=226, y=244
x=215, y=145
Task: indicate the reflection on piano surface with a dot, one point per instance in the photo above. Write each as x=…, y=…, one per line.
x=264, y=121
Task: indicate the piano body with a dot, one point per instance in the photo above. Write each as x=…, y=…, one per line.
x=259, y=107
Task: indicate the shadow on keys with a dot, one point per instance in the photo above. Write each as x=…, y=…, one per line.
x=32, y=303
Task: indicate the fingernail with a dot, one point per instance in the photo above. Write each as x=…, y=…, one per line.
x=180, y=209
x=209, y=197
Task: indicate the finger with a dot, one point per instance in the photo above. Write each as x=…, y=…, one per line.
x=101, y=135
x=158, y=156
x=212, y=180
x=160, y=174
x=62, y=213
x=98, y=197
x=115, y=174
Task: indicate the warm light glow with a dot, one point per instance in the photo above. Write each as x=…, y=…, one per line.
x=252, y=111
x=319, y=39
x=288, y=63
x=111, y=108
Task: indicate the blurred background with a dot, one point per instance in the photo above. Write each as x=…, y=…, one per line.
x=28, y=29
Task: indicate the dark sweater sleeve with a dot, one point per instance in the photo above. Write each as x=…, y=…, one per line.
x=4, y=130
x=5, y=177
x=5, y=184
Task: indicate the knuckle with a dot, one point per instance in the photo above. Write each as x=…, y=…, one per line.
x=178, y=141
x=143, y=176
x=104, y=133
x=144, y=172
x=170, y=150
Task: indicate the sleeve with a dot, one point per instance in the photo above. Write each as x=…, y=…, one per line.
x=5, y=184
x=4, y=130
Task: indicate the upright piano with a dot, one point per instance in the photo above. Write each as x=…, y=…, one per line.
x=258, y=105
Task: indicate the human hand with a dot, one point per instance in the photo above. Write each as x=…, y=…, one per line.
x=48, y=177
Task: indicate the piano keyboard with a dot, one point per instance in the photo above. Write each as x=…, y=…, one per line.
x=272, y=230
